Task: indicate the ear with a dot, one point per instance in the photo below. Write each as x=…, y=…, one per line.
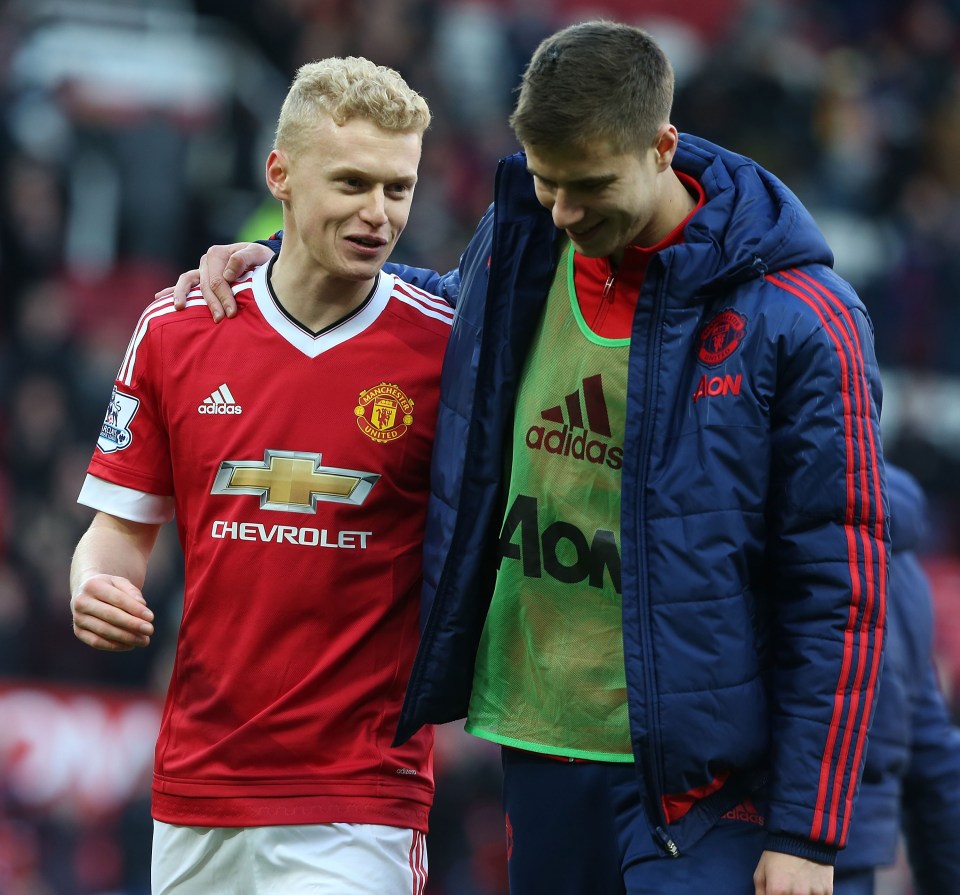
x=665, y=145
x=278, y=174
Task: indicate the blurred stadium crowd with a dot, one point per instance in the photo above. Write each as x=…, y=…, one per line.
x=132, y=136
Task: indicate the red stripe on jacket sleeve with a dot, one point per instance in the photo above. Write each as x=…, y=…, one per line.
x=838, y=323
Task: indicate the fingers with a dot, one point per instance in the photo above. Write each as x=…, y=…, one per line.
x=222, y=266
x=215, y=288
x=219, y=268
x=179, y=291
x=243, y=256
x=185, y=284
x=109, y=613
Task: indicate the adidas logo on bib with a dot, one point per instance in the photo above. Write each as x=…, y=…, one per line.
x=573, y=437
x=220, y=402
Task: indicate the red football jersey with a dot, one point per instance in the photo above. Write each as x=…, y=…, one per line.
x=298, y=468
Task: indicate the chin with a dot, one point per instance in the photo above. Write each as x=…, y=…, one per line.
x=364, y=271
x=591, y=251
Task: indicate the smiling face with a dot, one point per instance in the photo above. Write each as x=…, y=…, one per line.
x=602, y=198
x=347, y=195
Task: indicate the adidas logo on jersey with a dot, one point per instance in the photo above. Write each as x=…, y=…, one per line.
x=567, y=441
x=219, y=402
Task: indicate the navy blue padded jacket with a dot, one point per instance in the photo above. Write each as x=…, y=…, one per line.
x=753, y=530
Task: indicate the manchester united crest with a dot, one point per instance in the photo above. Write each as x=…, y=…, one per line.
x=721, y=337
x=384, y=413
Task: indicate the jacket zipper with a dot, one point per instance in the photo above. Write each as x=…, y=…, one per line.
x=607, y=297
x=643, y=464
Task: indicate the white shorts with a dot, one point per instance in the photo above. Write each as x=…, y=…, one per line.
x=319, y=859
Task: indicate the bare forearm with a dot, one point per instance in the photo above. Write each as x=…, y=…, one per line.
x=112, y=546
x=106, y=576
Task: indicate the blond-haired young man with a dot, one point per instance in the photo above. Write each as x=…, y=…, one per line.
x=294, y=450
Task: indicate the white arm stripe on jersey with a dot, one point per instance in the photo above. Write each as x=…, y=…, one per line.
x=424, y=298
x=445, y=316
x=157, y=309
x=127, y=503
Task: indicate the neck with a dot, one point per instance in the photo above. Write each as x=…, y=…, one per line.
x=676, y=206
x=314, y=298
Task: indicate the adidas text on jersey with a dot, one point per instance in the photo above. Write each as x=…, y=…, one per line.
x=220, y=401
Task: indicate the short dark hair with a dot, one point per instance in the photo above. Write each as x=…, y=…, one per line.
x=594, y=79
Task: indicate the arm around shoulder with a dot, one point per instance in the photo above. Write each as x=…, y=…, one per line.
x=220, y=267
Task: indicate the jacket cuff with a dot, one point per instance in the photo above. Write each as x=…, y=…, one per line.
x=802, y=848
x=273, y=244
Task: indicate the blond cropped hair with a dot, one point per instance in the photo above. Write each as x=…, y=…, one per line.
x=347, y=88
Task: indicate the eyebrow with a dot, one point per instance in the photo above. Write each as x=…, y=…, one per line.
x=583, y=182
x=349, y=171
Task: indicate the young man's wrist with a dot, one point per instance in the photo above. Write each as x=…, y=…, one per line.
x=800, y=847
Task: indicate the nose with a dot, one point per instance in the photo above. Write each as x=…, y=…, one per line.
x=374, y=210
x=566, y=213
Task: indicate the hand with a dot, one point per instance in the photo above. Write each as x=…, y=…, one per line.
x=782, y=874
x=110, y=613
x=221, y=266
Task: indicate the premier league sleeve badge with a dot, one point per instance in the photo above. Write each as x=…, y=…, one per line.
x=115, y=434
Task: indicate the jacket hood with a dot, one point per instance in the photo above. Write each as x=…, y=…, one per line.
x=908, y=507
x=751, y=224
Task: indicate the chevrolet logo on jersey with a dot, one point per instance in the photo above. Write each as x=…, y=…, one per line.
x=293, y=481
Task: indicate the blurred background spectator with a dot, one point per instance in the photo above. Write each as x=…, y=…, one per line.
x=132, y=136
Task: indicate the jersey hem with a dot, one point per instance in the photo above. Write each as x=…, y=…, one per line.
x=543, y=749
x=262, y=811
